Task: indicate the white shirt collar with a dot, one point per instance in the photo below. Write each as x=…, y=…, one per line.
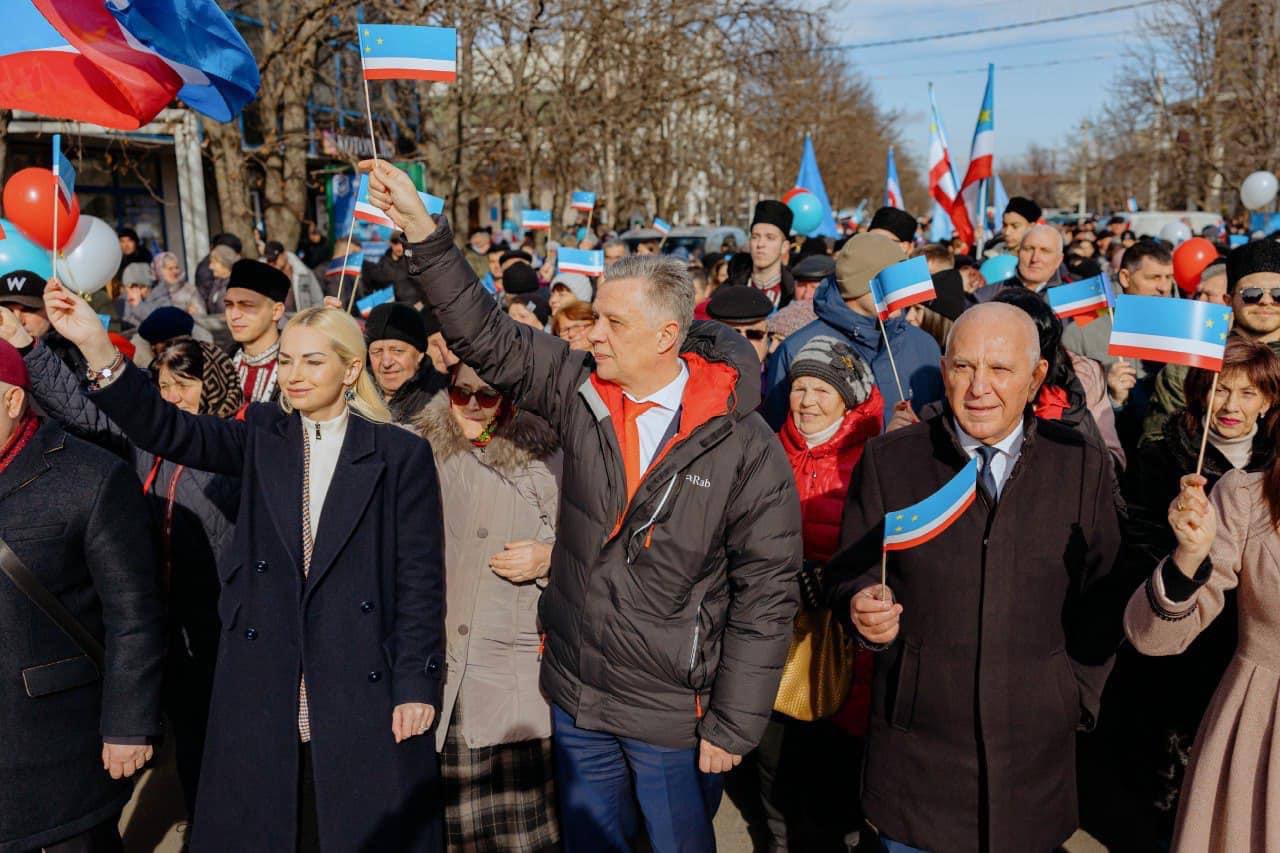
x=669, y=396
x=332, y=427
x=1007, y=445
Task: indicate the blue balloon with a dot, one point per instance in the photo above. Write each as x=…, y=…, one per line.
x=806, y=212
x=19, y=253
x=998, y=268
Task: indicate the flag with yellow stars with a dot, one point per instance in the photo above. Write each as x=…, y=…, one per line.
x=398, y=52
x=918, y=523
x=1177, y=331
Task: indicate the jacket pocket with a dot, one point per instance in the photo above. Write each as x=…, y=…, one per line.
x=902, y=708
x=58, y=676
x=33, y=532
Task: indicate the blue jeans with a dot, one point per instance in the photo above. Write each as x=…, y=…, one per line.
x=602, y=778
x=891, y=846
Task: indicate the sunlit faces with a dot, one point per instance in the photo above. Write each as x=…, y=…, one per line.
x=815, y=404
x=394, y=362
x=1260, y=319
x=311, y=375
x=251, y=317
x=182, y=391
x=628, y=342
x=1039, y=255
x=1237, y=404
x=992, y=369
x=767, y=245
x=1151, y=278
x=472, y=402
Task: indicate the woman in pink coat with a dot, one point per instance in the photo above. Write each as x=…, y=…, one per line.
x=1229, y=540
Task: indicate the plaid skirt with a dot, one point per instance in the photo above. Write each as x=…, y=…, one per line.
x=498, y=798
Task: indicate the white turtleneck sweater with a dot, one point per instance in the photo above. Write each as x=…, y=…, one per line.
x=1237, y=450
x=823, y=435
x=324, y=458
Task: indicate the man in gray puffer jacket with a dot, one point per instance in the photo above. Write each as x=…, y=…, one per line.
x=673, y=581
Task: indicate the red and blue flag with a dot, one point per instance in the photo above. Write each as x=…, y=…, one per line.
x=1087, y=296
x=535, y=220
x=583, y=201
x=373, y=300
x=902, y=284
x=918, y=523
x=582, y=261
x=1177, y=331
x=367, y=211
x=662, y=226
x=892, y=187
x=347, y=265
x=400, y=52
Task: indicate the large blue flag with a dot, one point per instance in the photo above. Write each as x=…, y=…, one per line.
x=920, y=522
x=199, y=42
x=1178, y=331
x=811, y=179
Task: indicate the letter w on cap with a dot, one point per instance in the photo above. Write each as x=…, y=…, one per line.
x=15, y=283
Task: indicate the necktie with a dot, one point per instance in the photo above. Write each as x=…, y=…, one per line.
x=986, y=478
x=631, y=442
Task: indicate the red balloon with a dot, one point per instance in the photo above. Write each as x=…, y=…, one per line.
x=28, y=203
x=792, y=193
x=1190, y=259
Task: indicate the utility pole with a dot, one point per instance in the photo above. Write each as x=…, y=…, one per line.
x=1082, y=210
x=1157, y=150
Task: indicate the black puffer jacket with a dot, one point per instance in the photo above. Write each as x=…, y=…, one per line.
x=681, y=602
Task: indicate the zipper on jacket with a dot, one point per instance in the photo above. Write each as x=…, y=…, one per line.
x=648, y=526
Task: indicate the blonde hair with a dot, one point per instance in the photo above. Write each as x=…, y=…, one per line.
x=348, y=343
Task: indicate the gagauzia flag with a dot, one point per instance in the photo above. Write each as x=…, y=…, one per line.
x=1087, y=296
x=1177, y=331
x=536, y=220
x=373, y=300
x=367, y=211
x=918, y=523
x=662, y=226
x=902, y=284
x=347, y=265
x=583, y=201
x=63, y=171
x=581, y=261
x=400, y=52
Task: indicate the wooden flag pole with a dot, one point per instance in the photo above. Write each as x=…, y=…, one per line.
x=342, y=276
x=355, y=288
x=1208, y=416
x=892, y=364
x=884, y=568
x=53, y=253
x=590, y=214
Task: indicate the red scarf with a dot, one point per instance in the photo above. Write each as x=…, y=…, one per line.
x=1052, y=402
x=19, y=439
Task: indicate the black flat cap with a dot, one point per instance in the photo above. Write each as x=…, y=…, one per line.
x=896, y=221
x=260, y=278
x=739, y=304
x=1257, y=256
x=393, y=321
x=519, y=278
x=775, y=213
x=814, y=268
x=1024, y=207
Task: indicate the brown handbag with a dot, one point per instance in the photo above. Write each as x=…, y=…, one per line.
x=819, y=670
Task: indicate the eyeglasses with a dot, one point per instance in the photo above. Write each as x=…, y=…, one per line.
x=1253, y=295
x=753, y=334
x=484, y=399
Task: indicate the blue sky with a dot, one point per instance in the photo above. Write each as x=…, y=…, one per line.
x=1056, y=75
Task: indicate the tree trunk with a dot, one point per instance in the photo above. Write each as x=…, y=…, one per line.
x=232, y=185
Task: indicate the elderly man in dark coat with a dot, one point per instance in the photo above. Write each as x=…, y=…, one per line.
x=75, y=546
x=997, y=634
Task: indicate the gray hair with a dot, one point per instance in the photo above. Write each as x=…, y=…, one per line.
x=669, y=288
x=613, y=244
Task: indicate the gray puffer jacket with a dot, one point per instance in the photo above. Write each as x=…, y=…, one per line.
x=667, y=618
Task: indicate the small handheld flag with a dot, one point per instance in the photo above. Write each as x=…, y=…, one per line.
x=366, y=211
x=583, y=201
x=399, y=52
x=580, y=261
x=918, y=523
x=1177, y=331
x=536, y=220
x=662, y=226
x=902, y=284
x=349, y=264
x=63, y=171
x=1087, y=296
x=373, y=300
x=892, y=187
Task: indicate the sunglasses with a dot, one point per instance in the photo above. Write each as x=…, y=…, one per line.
x=1253, y=295
x=754, y=334
x=485, y=399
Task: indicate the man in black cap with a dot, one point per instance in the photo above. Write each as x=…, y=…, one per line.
x=897, y=225
x=519, y=279
x=22, y=292
x=397, y=340
x=745, y=310
x=769, y=247
x=1019, y=215
x=131, y=249
x=254, y=304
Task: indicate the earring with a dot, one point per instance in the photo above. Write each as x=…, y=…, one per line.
x=349, y=394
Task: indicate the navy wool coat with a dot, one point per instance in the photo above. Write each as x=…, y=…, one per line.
x=366, y=626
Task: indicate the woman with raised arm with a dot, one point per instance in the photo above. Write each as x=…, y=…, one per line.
x=328, y=672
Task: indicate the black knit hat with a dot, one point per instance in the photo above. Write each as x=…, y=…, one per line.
x=1257, y=256
x=392, y=321
x=773, y=212
x=739, y=304
x=834, y=362
x=260, y=278
x=1024, y=207
x=430, y=322
x=166, y=323
x=896, y=221
x=519, y=278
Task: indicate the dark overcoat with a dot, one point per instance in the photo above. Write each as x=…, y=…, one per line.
x=366, y=627
x=1010, y=620
x=74, y=514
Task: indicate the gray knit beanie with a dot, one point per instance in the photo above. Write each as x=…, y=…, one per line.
x=834, y=362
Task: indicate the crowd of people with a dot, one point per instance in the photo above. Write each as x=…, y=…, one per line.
x=526, y=561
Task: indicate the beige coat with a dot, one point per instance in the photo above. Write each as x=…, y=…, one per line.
x=1231, y=795
x=501, y=493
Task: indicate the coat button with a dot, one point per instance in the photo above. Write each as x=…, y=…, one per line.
x=462, y=629
x=433, y=666
x=375, y=676
x=260, y=567
x=366, y=607
x=482, y=532
x=251, y=633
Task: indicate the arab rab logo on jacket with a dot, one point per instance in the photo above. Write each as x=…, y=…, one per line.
x=16, y=283
x=698, y=480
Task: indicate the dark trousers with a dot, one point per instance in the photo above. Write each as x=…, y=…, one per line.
x=308, y=826
x=103, y=838
x=603, y=779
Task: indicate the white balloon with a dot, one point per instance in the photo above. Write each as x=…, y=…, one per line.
x=92, y=256
x=1258, y=190
x=1175, y=232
